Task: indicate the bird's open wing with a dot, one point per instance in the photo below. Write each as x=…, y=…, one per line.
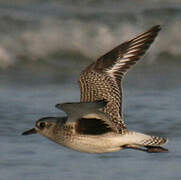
x=102, y=79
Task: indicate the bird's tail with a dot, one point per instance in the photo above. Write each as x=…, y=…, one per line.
x=145, y=142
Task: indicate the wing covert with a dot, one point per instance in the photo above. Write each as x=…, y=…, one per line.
x=76, y=110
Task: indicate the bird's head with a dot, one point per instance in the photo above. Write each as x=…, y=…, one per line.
x=46, y=126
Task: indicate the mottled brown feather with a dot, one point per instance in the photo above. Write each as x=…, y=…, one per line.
x=102, y=79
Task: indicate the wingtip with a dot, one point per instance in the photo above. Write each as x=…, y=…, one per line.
x=156, y=28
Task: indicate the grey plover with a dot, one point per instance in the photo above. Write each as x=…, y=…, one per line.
x=95, y=124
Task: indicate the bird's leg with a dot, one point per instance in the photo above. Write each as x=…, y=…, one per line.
x=155, y=149
x=149, y=149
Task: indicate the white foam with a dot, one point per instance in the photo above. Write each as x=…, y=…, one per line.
x=89, y=39
x=6, y=58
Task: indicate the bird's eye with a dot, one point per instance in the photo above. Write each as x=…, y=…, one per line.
x=42, y=125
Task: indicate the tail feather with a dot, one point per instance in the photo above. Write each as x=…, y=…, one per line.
x=141, y=141
x=154, y=141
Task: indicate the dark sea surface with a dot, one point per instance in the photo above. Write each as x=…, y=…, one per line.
x=45, y=45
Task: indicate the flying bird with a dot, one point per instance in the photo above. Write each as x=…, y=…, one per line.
x=95, y=124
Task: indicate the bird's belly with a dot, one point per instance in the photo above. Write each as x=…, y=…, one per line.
x=94, y=144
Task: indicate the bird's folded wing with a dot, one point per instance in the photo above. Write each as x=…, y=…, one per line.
x=75, y=110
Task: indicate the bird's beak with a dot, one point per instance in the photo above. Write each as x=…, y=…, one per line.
x=31, y=131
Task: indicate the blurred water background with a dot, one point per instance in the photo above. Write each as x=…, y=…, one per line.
x=43, y=47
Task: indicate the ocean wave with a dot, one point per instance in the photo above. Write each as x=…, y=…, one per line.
x=47, y=38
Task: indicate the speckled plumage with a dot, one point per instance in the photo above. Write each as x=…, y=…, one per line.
x=102, y=79
x=95, y=125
